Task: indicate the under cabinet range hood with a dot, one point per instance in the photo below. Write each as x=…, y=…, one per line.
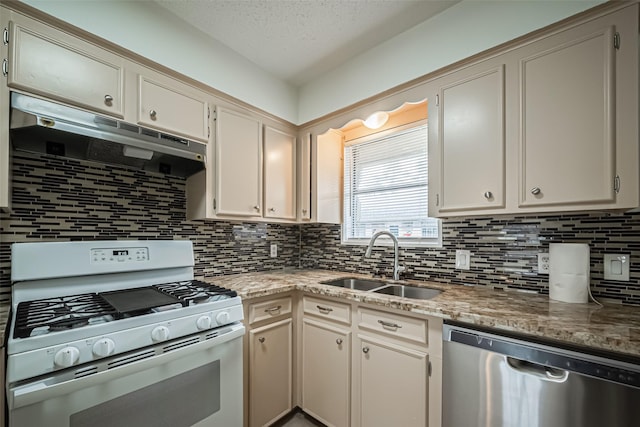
x=43, y=126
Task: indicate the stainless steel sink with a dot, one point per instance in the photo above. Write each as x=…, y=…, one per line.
x=355, y=283
x=406, y=291
x=382, y=287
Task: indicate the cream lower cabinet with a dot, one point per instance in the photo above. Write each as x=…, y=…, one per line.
x=393, y=384
x=388, y=374
x=269, y=361
x=326, y=361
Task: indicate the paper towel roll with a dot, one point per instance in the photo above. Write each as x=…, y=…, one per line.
x=569, y=272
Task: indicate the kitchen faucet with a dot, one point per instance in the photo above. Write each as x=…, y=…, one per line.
x=396, y=268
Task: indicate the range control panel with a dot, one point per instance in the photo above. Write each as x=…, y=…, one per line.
x=119, y=255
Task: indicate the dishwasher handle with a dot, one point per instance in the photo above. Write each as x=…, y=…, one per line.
x=542, y=372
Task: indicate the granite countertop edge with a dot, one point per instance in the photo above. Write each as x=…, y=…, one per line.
x=612, y=328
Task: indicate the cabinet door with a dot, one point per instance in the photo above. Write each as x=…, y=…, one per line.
x=472, y=142
x=567, y=121
x=270, y=373
x=393, y=384
x=238, y=164
x=279, y=174
x=304, y=178
x=168, y=107
x=326, y=373
x=327, y=177
x=58, y=66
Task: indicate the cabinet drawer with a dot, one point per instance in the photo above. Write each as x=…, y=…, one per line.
x=269, y=309
x=327, y=309
x=408, y=328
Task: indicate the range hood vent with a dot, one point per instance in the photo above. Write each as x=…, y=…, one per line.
x=46, y=127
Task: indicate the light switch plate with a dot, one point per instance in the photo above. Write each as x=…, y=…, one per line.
x=463, y=259
x=616, y=267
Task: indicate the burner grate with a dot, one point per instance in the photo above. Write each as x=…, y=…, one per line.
x=59, y=313
x=195, y=292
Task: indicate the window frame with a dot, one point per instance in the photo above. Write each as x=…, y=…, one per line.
x=406, y=242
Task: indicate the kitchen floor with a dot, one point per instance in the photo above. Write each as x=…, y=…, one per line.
x=298, y=419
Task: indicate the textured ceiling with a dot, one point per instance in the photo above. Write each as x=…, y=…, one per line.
x=298, y=40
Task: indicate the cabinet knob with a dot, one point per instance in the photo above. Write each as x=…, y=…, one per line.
x=272, y=209
x=261, y=339
x=304, y=211
x=108, y=99
x=365, y=350
x=488, y=195
x=256, y=207
x=535, y=191
x=339, y=341
x=153, y=114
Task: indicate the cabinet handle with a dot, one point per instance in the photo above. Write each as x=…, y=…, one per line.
x=108, y=99
x=535, y=191
x=389, y=324
x=324, y=310
x=488, y=195
x=256, y=207
x=339, y=341
x=153, y=114
x=261, y=339
x=273, y=309
x=5, y=67
x=365, y=350
x=272, y=209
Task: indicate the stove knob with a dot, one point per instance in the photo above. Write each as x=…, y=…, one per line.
x=66, y=357
x=203, y=322
x=104, y=347
x=222, y=318
x=160, y=333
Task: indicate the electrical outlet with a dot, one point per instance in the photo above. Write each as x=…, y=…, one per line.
x=463, y=259
x=543, y=263
x=274, y=250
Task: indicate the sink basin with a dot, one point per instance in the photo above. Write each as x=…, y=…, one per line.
x=406, y=291
x=354, y=283
x=381, y=287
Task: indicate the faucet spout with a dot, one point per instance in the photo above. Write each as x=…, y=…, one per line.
x=396, y=268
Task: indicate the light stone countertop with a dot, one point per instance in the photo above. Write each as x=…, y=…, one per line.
x=614, y=328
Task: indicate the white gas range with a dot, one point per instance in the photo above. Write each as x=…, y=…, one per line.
x=119, y=333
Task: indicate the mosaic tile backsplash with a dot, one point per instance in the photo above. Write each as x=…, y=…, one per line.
x=62, y=199
x=503, y=252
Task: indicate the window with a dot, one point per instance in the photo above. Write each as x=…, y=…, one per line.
x=386, y=188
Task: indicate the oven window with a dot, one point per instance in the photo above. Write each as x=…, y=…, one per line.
x=179, y=401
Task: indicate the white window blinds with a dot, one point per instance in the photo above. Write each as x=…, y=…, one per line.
x=386, y=187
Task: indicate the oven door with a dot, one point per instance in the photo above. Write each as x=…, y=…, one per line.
x=188, y=384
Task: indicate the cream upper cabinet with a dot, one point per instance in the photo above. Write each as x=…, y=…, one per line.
x=279, y=174
x=471, y=140
x=567, y=108
x=238, y=164
x=56, y=65
x=304, y=178
x=327, y=177
x=566, y=105
x=168, y=106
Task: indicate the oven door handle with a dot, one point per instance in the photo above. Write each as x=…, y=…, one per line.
x=40, y=390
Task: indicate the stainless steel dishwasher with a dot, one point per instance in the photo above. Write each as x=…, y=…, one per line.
x=491, y=380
